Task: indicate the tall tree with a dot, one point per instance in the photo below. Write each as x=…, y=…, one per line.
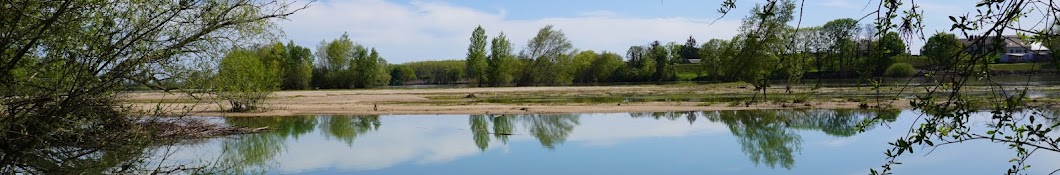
x=544, y=55
x=298, y=67
x=764, y=35
x=840, y=34
x=663, y=65
x=334, y=68
x=501, y=62
x=476, y=57
x=641, y=63
x=370, y=70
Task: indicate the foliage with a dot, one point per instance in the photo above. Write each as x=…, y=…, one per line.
x=547, y=57
x=582, y=66
x=437, y=72
x=334, y=64
x=715, y=53
x=345, y=64
x=400, y=74
x=476, y=57
x=63, y=62
x=501, y=63
x=664, y=69
x=943, y=50
x=297, y=67
x=245, y=79
x=370, y=70
x=883, y=52
x=900, y=70
x=763, y=37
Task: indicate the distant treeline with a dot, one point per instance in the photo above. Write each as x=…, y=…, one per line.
x=839, y=48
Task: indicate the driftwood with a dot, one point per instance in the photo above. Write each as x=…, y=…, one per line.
x=192, y=129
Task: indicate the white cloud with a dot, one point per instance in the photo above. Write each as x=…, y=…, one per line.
x=404, y=32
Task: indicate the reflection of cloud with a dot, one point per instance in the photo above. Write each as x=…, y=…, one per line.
x=441, y=139
x=399, y=140
x=606, y=130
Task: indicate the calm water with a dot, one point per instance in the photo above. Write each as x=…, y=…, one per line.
x=731, y=142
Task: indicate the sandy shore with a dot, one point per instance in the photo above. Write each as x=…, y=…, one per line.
x=455, y=101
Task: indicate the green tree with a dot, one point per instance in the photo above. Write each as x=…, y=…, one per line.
x=883, y=52
x=333, y=68
x=476, y=57
x=715, y=54
x=841, y=47
x=943, y=50
x=663, y=66
x=501, y=62
x=764, y=35
x=545, y=56
x=370, y=70
x=245, y=79
x=401, y=74
x=297, y=67
x=605, y=67
x=583, y=66
x=641, y=63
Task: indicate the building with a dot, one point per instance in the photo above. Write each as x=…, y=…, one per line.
x=1014, y=50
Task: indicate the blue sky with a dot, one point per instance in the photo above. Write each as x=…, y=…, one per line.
x=416, y=30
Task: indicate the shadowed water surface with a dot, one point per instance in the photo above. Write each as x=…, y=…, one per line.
x=726, y=142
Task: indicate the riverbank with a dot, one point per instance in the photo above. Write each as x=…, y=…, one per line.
x=546, y=100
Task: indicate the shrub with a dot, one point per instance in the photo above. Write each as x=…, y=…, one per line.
x=900, y=70
x=245, y=81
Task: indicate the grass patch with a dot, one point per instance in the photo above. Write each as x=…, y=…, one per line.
x=1021, y=66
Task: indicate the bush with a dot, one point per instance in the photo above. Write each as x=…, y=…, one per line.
x=245, y=81
x=900, y=70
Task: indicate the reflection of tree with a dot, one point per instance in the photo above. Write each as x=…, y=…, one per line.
x=550, y=130
x=256, y=150
x=770, y=136
x=503, y=127
x=248, y=152
x=82, y=160
x=347, y=128
x=763, y=135
x=479, y=129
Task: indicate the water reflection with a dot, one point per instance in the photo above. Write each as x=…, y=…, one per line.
x=767, y=137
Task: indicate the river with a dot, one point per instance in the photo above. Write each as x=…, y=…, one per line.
x=711, y=142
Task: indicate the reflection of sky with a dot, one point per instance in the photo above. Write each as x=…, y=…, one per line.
x=612, y=144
